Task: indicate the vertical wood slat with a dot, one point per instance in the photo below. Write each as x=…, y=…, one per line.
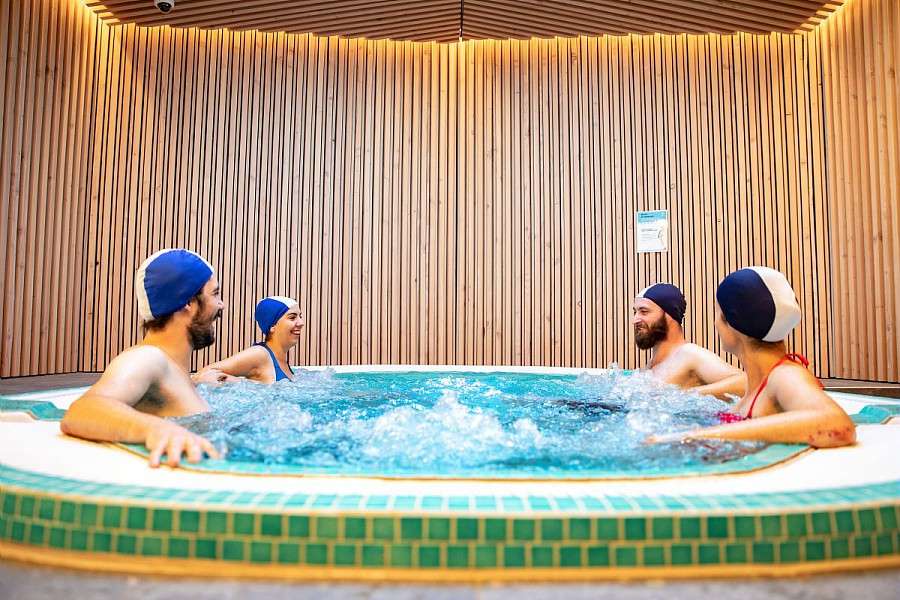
x=859, y=48
x=477, y=207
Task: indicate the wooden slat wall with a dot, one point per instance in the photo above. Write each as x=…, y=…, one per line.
x=462, y=203
x=860, y=49
x=47, y=77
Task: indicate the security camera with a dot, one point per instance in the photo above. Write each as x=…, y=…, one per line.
x=164, y=6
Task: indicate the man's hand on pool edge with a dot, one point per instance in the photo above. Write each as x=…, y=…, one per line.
x=173, y=441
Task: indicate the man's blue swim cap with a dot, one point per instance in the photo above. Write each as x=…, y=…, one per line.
x=759, y=302
x=269, y=310
x=667, y=297
x=167, y=281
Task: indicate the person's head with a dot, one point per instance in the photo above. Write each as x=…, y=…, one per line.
x=178, y=288
x=279, y=318
x=754, y=307
x=656, y=311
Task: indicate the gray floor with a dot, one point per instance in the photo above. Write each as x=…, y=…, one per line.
x=23, y=582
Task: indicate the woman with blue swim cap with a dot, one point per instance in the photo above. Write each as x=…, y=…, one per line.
x=784, y=403
x=281, y=322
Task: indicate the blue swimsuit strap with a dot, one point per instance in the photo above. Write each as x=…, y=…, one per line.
x=279, y=372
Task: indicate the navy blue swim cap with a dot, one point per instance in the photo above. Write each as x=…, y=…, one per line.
x=759, y=302
x=167, y=280
x=269, y=310
x=667, y=297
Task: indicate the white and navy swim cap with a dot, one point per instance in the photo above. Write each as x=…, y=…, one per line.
x=667, y=297
x=167, y=281
x=759, y=302
x=269, y=310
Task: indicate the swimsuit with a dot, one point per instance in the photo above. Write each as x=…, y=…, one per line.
x=279, y=372
x=731, y=417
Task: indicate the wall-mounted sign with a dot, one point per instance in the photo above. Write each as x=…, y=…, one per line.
x=652, y=231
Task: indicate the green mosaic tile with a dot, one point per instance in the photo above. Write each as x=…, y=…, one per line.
x=717, y=527
x=862, y=546
x=438, y=528
x=205, y=548
x=607, y=529
x=36, y=534
x=789, y=552
x=233, y=550
x=179, y=547
x=67, y=511
x=87, y=514
x=523, y=529
x=815, y=550
x=26, y=506
x=57, y=537
x=635, y=529
x=884, y=544
x=354, y=528
x=152, y=546
x=681, y=554
x=457, y=556
x=344, y=555
x=136, y=517
x=514, y=556
x=796, y=526
x=326, y=528
x=270, y=525
x=316, y=554
x=626, y=557
x=763, y=552
x=79, y=539
x=466, y=529
x=112, y=516
x=821, y=523
x=243, y=523
x=570, y=556
x=866, y=519
x=101, y=542
x=888, y=516
x=541, y=556
x=663, y=528
x=429, y=556
x=9, y=504
x=46, y=509
x=126, y=543
x=401, y=555
x=383, y=528
x=840, y=548
x=598, y=556
x=654, y=556
x=495, y=530
x=485, y=556
x=744, y=527
x=844, y=521
x=17, y=531
x=410, y=528
x=771, y=526
x=298, y=527
x=689, y=528
x=735, y=553
x=260, y=552
x=216, y=522
x=373, y=556
x=288, y=553
x=162, y=519
x=551, y=529
x=708, y=554
x=579, y=529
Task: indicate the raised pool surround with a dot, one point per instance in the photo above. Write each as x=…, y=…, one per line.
x=67, y=502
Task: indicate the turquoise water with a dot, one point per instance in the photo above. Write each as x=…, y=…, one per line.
x=461, y=424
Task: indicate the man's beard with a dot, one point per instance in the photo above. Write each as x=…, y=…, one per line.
x=202, y=331
x=649, y=336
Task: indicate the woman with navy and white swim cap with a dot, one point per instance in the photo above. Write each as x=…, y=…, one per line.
x=755, y=312
x=281, y=322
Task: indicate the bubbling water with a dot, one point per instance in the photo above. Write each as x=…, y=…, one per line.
x=461, y=424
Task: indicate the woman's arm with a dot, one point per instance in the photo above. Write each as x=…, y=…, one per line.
x=245, y=363
x=809, y=417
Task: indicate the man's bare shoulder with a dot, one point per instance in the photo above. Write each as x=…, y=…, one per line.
x=695, y=352
x=147, y=358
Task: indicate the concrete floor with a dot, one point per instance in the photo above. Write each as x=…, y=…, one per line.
x=25, y=582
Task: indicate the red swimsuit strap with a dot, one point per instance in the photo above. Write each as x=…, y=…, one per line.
x=792, y=357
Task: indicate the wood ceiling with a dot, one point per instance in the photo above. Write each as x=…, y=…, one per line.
x=447, y=21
